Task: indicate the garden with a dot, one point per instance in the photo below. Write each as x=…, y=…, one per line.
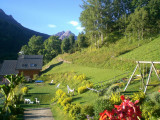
x=75, y=93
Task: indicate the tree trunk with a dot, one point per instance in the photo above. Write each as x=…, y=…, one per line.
x=142, y=33
x=95, y=40
x=101, y=38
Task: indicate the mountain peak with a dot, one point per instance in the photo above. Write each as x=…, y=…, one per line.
x=2, y=12
x=66, y=34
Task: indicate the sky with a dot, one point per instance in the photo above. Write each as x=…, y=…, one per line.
x=45, y=16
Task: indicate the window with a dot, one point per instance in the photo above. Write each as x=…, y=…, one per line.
x=24, y=65
x=33, y=65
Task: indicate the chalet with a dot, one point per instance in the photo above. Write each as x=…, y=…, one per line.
x=26, y=64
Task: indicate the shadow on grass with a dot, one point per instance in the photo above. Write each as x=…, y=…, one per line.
x=76, y=98
x=50, y=67
x=129, y=92
x=38, y=93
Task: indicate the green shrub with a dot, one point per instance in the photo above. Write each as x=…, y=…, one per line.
x=59, y=101
x=74, y=111
x=79, y=77
x=101, y=105
x=112, y=88
x=115, y=98
x=82, y=89
x=89, y=85
x=138, y=96
x=24, y=90
x=148, y=107
x=67, y=108
x=66, y=101
x=59, y=93
x=157, y=98
x=35, y=76
x=88, y=110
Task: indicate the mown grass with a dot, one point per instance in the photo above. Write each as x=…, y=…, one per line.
x=148, y=52
x=97, y=65
x=43, y=91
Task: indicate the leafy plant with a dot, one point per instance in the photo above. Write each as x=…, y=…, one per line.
x=100, y=105
x=8, y=92
x=24, y=90
x=126, y=110
x=66, y=101
x=115, y=98
x=88, y=110
x=82, y=89
x=74, y=111
x=138, y=96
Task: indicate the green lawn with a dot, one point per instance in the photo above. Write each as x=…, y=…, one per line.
x=94, y=68
x=43, y=91
x=94, y=74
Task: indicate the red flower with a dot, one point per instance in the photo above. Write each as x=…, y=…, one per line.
x=158, y=90
x=125, y=111
x=122, y=97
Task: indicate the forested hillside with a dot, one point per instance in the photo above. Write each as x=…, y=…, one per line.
x=12, y=36
x=107, y=21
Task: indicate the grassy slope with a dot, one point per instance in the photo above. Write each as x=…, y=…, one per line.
x=97, y=65
x=148, y=52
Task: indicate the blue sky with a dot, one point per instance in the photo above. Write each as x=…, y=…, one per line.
x=46, y=16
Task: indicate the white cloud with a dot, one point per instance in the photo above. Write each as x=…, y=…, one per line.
x=51, y=26
x=80, y=28
x=74, y=23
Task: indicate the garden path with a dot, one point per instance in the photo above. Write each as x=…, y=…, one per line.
x=38, y=114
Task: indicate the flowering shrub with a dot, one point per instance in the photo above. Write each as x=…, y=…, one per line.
x=115, y=98
x=125, y=111
x=82, y=89
x=24, y=90
x=79, y=77
x=66, y=101
x=138, y=96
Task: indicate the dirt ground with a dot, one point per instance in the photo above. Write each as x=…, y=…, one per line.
x=38, y=114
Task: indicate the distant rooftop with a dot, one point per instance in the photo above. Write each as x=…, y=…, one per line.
x=8, y=67
x=31, y=56
x=30, y=62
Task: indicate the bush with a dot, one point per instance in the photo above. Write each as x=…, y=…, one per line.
x=112, y=88
x=147, y=108
x=75, y=111
x=90, y=85
x=67, y=108
x=24, y=90
x=79, y=77
x=35, y=76
x=138, y=96
x=66, y=101
x=82, y=89
x=59, y=93
x=88, y=110
x=100, y=105
x=115, y=98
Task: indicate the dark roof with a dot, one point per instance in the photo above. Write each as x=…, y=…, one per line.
x=31, y=56
x=30, y=62
x=8, y=67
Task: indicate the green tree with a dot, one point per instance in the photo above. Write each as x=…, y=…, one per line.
x=138, y=23
x=35, y=44
x=65, y=46
x=82, y=40
x=53, y=43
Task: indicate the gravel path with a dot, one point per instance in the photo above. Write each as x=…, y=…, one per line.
x=38, y=114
